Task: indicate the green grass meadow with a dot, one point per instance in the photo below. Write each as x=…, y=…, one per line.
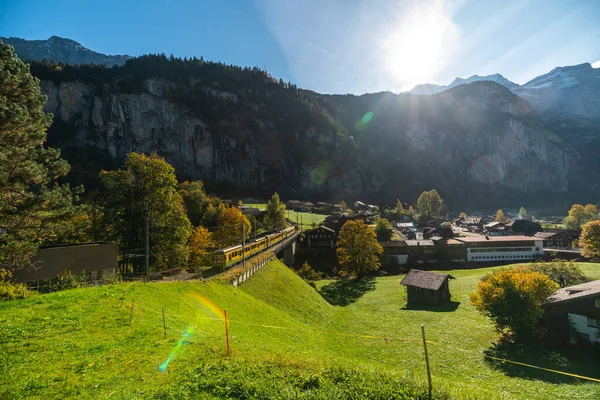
x=352, y=339
x=305, y=220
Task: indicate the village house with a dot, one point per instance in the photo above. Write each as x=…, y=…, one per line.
x=394, y=252
x=555, y=240
x=426, y=287
x=573, y=314
x=293, y=204
x=494, y=228
x=321, y=236
x=522, y=227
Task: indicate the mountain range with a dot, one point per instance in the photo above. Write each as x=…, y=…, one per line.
x=481, y=141
x=61, y=50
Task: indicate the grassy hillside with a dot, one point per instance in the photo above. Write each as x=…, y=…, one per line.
x=357, y=340
x=304, y=219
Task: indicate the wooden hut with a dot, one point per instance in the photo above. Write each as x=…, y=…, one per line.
x=426, y=287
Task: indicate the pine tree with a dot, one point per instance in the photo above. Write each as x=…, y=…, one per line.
x=31, y=202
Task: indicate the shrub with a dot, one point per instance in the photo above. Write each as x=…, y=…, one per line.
x=513, y=299
x=10, y=290
x=564, y=273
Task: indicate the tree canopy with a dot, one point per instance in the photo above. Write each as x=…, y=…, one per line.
x=589, y=241
x=230, y=228
x=579, y=215
x=382, y=230
x=513, y=299
x=430, y=204
x=500, y=217
x=357, y=249
x=146, y=187
x=31, y=202
x=200, y=246
x=523, y=213
x=274, y=218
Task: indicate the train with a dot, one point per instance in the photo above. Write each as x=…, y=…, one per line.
x=225, y=258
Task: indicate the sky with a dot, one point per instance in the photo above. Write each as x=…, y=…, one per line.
x=331, y=46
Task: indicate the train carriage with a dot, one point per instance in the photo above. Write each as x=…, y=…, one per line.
x=224, y=258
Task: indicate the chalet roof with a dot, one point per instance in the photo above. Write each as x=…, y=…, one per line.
x=294, y=201
x=425, y=279
x=393, y=243
x=481, y=239
x=419, y=242
x=510, y=224
x=308, y=203
x=492, y=224
x=321, y=203
x=574, y=292
x=326, y=228
x=545, y=235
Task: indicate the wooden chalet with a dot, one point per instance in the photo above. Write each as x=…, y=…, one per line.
x=426, y=287
x=573, y=314
x=556, y=240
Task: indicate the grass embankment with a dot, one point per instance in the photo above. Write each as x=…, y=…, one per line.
x=358, y=340
x=305, y=220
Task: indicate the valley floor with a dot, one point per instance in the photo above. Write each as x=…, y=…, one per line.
x=354, y=339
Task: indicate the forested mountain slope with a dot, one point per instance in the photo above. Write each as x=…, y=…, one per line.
x=246, y=133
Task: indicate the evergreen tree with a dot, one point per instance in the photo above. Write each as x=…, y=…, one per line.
x=31, y=202
x=275, y=214
x=146, y=188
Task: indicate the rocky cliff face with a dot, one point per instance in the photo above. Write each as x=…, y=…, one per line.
x=477, y=144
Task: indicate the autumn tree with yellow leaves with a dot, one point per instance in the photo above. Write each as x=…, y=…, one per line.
x=513, y=299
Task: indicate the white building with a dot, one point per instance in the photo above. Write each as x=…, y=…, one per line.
x=502, y=248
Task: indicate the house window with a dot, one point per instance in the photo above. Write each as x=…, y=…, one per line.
x=594, y=323
x=597, y=303
x=585, y=336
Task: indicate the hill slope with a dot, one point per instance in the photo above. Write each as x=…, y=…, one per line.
x=287, y=342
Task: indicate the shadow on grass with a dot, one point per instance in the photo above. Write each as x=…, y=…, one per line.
x=449, y=306
x=346, y=291
x=578, y=361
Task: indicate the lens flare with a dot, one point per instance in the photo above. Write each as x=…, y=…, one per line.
x=176, y=350
x=319, y=174
x=209, y=304
x=362, y=123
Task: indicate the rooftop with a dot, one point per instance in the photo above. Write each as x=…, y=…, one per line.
x=419, y=242
x=574, y=292
x=544, y=235
x=425, y=279
x=480, y=239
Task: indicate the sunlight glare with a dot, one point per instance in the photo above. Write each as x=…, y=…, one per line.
x=420, y=45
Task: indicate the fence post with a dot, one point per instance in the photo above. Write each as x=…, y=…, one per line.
x=131, y=313
x=164, y=322
x=426, y=358
x=227, y=333
x=123, y=298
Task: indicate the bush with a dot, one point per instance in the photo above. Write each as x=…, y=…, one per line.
x=307, y=273
x=564, y=273
x=513, y=299
x=10, y=290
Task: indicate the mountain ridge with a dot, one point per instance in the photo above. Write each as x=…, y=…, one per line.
x=61, y=50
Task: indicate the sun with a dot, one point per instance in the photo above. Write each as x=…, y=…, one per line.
x=419, y=46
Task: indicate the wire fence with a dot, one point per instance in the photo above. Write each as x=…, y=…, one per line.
x=385, y=339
